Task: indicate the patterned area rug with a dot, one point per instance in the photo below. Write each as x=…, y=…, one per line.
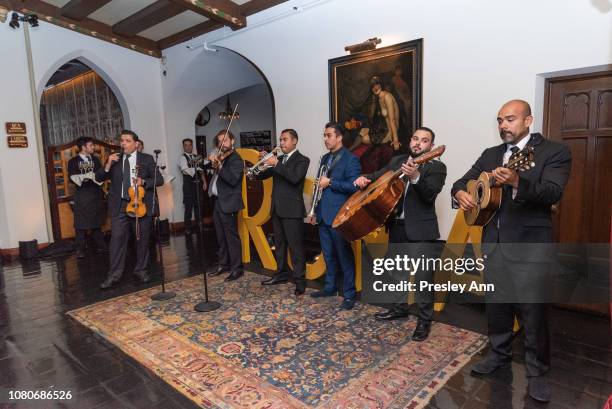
x=267, y=349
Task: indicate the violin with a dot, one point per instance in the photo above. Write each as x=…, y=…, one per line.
x=136, y=207
x=220, y=157
x=217, y=159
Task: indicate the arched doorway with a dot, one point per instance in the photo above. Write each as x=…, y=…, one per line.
x=195, y=96
x=76, y=101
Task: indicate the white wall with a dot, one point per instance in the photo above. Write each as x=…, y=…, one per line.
x=255, y=109
x=477, y=54
x=134, y=77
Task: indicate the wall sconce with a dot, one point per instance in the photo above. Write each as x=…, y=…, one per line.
x=367, y=45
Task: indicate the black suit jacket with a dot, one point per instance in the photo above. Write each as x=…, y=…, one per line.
x=527, y=217
x=288, y=186
x=420, y=219
x=229, y=184
x=115, y=174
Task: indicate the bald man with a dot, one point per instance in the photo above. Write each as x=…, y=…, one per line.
x=518, y=271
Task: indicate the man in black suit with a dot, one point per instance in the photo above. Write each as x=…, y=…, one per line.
x=89, y=205
x=130, y=168
x=414, y=219
x=524, y=218
x=288, y=173
x=226, y=193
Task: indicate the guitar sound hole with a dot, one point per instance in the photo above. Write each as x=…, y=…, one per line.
x=479, y=193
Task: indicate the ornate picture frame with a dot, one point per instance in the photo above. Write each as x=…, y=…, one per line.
x=377, y=96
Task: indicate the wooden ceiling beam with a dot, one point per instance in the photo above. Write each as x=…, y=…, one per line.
x=79, y=9
x=255, y=6
x=151, y=15
x=247, y=9
x=225, y=12
x=51, y=14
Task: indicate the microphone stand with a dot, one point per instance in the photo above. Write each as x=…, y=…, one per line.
x=163, y=294
x=206, y=305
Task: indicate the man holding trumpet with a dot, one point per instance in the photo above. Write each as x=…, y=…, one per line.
x=288, y=172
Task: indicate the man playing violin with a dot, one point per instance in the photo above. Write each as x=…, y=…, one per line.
x=226, y=193
x=414, y=220
x=129, y=169
x=288, y=173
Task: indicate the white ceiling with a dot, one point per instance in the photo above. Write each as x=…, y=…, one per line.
x=173, y=25
x=117, y=10
x=57, y=3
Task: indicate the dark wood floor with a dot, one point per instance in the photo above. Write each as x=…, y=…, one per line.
x=40, y=347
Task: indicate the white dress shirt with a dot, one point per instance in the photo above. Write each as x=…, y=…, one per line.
x=288, y=155
x=521, y=145
x=184, y=165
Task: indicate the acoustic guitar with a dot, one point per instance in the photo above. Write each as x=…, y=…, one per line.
x=368, y=209
x=487, y=193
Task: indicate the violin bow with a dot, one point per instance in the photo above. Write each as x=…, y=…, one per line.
x=228, y=128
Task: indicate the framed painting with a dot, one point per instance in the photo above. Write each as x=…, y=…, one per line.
x=376, y=96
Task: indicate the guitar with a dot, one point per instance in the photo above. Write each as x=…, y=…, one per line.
x=367, y=210
x=487, y=193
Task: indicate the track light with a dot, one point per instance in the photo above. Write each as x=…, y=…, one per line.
x=14, y=23
x=32, y=20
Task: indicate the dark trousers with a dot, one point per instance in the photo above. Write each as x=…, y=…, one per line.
x=228, y=240
x=96, y=234
x=532, y=316
x=337, y=253
x=191, y=208
x=290, y=233
x=424, y=299
x=122, y=226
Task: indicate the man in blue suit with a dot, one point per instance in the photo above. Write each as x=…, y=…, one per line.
x=343, y=168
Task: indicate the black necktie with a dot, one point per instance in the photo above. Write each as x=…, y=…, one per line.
x=513, y=150
x=126, y=177
x=285, y=158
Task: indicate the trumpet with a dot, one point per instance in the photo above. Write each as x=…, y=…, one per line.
x=260, y=166
x=317, y=192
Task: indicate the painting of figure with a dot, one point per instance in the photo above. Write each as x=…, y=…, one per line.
x=377, y=96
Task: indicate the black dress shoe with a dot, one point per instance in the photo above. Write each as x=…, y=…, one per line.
x=217, y=271
x=538, y=388
x=108, y=283
x=321, y=293
x=489, y=365
x=234, y=275
x=80, y=254
x=299, y=291
x=391, y=314
x=347, y=304
x=274, y=280
x=143, y=277
x=421, y=332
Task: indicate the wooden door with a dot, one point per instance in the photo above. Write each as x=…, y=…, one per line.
x=578, y=113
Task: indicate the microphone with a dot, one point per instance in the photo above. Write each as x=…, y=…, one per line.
x=157, y=151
